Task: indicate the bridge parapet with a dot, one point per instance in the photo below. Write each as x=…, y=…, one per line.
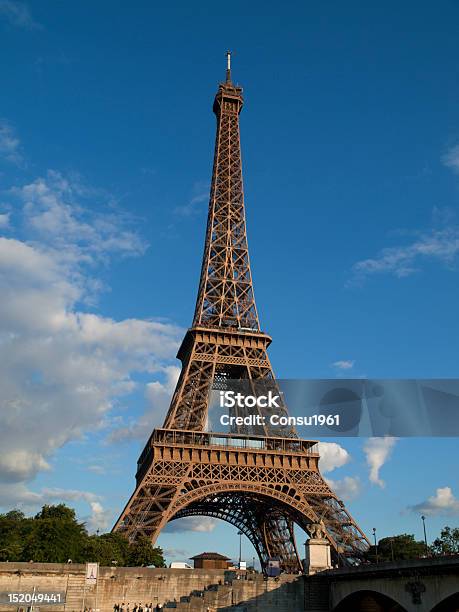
x=418, y=584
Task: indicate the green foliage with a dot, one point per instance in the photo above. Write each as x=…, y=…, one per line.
x=54, y=535
x=14, y=515
x=61, y=512
x=14, y=531
x=448, y=542
x=143, y=553
x=53, y=540
x=107, y=549
x=402, y=547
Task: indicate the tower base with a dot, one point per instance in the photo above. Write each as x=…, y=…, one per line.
x=262, y=485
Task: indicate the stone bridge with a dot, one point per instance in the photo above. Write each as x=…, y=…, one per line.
x=420, y=585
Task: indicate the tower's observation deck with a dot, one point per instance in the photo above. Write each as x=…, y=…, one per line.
x=206, y=447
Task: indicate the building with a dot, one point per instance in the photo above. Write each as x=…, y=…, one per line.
x=210, y=560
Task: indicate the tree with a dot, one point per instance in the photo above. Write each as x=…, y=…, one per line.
x=14, y=530
x=142, y=553
x=55, y=536
x=13, y=515
x=402, y=546
x=448, y=542
x=60, y=512
x=107, y=549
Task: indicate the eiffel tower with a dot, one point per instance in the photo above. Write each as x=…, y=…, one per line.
x=262, y=482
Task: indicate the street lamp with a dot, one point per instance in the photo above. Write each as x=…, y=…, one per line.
x=425, y=534
x=376, y=545
x=239, y=533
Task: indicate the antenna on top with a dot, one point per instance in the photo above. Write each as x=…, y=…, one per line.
x=228, y=66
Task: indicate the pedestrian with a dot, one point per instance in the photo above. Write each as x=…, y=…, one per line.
x=134, y=609
x=127, y=607
x=140, y=609
x=122, y=609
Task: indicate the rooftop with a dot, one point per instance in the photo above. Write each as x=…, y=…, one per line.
x=211, y=556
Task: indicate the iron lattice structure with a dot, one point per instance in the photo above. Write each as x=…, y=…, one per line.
x=260, y=481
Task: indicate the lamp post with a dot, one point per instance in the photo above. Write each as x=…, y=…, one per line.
x=425, y=534
x=239, y=533
x=376, y=545
x=392, y=549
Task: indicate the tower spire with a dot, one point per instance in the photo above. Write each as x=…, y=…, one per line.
x=225, y=296
x=228, y=66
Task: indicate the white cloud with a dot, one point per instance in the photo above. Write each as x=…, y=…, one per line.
x=443, y=503
x=97, y=469
x=100, y=519
x=347, y=489
x=378, y=451
x=52, y=494
x=17, y=495
x=19, y=464
x=332, y=456
x=64, y=369
x=60, y=212
x=10, y=146
x=192, y=207
x=4, y=220
x=344, y=364
x=176, y=553
x=201, y=524
x=18, y=14
x=158, y=395
x=451, y=159
x=201, y=195
x=436, y=245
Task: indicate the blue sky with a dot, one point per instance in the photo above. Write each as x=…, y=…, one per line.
x=350, y=136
